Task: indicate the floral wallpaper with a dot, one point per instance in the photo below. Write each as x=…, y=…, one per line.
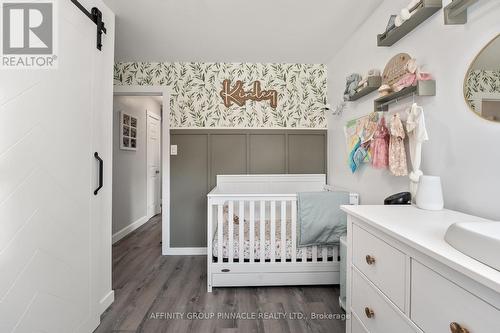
x=196, y=100
x=481, y=81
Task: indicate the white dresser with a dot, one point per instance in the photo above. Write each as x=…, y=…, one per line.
x=402, y=276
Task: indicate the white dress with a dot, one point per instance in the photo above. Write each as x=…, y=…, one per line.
x=417, y=134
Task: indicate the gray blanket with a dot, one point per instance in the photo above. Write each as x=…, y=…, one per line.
x=320, y=220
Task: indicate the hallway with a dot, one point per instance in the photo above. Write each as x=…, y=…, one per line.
x=155, y=293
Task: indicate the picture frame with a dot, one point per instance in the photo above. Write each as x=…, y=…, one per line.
x=128, y=131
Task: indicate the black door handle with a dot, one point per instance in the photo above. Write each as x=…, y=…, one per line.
x=101, y=166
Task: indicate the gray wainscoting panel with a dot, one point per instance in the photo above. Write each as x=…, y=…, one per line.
x=188, y=188
x=203, y=154
x=267, y=153
x=228, y=155
x=307, y=153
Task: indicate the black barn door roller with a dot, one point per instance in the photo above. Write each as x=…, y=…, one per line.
x=96, y=16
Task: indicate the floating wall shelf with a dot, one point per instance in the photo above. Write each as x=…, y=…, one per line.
x=456, y=11
x=425, y=10
x=423, y=88
x=374, y=82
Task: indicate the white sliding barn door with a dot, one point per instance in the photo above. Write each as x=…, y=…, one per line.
x=154, y=164
x=54, y=248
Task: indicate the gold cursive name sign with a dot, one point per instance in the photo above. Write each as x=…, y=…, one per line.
x=239, y=96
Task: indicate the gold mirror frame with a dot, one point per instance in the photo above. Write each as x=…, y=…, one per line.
x=467, y=76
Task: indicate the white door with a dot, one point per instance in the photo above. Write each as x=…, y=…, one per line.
x=50, y=280
x=154, y=164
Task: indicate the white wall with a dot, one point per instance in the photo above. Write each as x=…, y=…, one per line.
x=463, y=148
x=129, y=167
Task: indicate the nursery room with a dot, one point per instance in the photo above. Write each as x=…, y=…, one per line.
x=249, y=166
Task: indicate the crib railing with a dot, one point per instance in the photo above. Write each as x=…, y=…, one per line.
x=253, y=210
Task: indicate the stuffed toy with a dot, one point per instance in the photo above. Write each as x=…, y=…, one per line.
x=351, y=85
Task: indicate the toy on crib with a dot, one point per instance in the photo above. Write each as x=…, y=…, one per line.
x=351, y=85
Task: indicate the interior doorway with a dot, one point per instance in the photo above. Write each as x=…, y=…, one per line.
x=138, y=199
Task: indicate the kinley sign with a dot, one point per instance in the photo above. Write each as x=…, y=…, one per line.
x=239, y=96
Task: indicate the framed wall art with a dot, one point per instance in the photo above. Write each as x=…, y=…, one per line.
x=128, y=131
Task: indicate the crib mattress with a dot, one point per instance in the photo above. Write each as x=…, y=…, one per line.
x=330, y=250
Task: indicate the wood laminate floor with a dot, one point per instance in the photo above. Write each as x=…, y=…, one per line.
x=155, y=293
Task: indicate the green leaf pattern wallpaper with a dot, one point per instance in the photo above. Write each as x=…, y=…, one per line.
x=481, y=81
x=195, y=93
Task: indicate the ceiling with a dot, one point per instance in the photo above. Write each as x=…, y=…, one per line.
x=294, y=31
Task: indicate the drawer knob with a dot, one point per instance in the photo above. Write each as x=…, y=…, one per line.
x=370, y=260
x=456, y=328
x=369, y=312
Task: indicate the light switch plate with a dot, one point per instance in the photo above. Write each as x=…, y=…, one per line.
x=173, y=149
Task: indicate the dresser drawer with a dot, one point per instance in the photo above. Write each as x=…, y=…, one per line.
x=376, y=314
x=384, y=265
x=436, y=302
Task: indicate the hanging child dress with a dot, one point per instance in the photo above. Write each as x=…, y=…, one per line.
x=380, y=146
x=397, y=153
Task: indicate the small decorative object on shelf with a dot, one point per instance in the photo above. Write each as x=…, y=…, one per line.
x=408, y=19
x=384, y=90
x=395, y=69
x=369, y=83
x=351, y=84
x=456, y=11
x=402, y=77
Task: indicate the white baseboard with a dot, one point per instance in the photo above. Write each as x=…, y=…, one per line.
x=106, y=301
x=128, y=229
x=185, y=251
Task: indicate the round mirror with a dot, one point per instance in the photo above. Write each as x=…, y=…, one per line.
x=482, y=82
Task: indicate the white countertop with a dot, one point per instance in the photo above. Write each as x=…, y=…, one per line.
x=424, y=231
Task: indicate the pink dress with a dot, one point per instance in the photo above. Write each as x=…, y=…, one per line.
x=380, y=146
x=397, y=153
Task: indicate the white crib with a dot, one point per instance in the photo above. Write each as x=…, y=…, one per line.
x=263, y=225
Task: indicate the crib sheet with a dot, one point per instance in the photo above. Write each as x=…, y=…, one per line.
x=331, y=250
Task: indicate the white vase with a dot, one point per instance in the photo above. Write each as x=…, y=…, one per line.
x=429, y=193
